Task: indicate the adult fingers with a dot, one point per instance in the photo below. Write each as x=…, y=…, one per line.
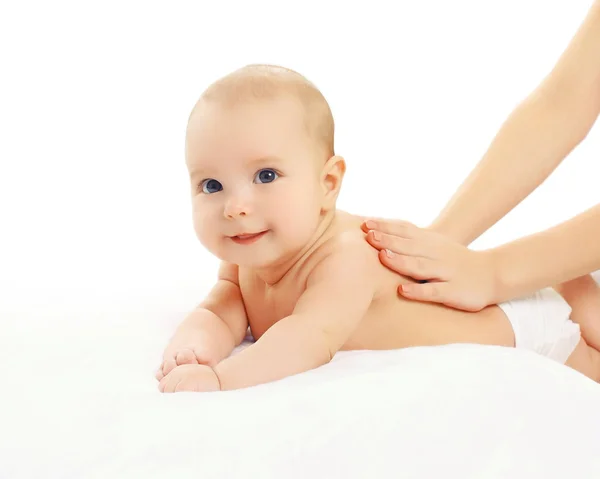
x=441, y=292
x=391, y=227
x=430, y=292
x=416, y=267
x=403, y=246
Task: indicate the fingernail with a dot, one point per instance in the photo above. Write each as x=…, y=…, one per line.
x=376, y=235
x=370, y=224
x=389, y=253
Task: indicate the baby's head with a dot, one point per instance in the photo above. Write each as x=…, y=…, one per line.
x=259, y=150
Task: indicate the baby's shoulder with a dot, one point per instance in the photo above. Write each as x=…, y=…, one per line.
x=347, y=236
x=347, y=244
x=349, y=241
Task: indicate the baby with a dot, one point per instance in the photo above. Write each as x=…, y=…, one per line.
x=297, y=271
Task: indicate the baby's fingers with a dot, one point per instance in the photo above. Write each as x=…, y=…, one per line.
x=169, y=383
x=187, y=356
x=168, y=365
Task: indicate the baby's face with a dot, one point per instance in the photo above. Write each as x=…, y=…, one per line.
x=254, y=173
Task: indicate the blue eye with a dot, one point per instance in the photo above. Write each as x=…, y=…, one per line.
x=211, y=186
x=266, y=176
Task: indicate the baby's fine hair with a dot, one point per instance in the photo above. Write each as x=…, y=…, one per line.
x=263, y=82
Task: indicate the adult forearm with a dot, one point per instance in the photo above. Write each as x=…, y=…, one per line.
x=534, y=139
x=562, y=253
x=528, y=147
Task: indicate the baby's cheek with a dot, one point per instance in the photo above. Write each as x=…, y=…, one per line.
x=298, y=226
x=204, y=233
x=198, y=228
x=217, y=247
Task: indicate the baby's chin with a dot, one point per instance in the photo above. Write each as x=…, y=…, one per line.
x=263, y=254
x=255, y=259
x=248, y=259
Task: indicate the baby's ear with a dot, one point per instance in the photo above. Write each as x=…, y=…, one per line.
x=331, y=180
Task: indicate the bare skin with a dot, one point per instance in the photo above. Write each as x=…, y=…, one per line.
x=536, y=137
x=295, y=269
x=390, y=321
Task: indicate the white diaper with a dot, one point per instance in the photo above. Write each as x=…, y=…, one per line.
x=541, y=323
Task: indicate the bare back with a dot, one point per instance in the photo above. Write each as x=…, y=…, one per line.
x=391, y=322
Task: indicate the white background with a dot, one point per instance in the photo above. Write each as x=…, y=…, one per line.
x=95, y=208
x=99, y=261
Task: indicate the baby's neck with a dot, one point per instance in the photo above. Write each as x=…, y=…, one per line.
x=274, y=273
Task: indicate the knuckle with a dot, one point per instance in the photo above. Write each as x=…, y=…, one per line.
x=183, y=357
x=434, y=291
x=384, y=240
x=391, y=242
x=398, y=229
x=419, y=265
x=406, y=228
x=404, y=246
x=400, y=262
x=397, y=224
x=405, y=263
x=394, y=228
x=398, y=243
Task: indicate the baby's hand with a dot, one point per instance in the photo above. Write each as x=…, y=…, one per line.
x=190, y=377
x=178, y=355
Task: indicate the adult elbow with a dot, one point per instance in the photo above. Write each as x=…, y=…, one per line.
x=584, y=112
x=580, y=110
x=571, y=106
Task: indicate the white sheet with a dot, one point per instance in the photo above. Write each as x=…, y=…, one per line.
x=85, y=405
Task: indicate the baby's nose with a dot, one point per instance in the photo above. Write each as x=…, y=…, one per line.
x=237, y=206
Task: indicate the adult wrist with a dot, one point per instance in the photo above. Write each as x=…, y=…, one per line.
x=449, y=230
x=500, y=276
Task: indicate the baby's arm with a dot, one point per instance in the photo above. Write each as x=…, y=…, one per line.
x=338, y=293
x=210, y=332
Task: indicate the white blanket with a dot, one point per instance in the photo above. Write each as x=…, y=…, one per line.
x=84, y=404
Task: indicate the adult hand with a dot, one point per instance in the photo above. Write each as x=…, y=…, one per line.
x=456, y=276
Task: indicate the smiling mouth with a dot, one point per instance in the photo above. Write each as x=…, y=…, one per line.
x=248, y=238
